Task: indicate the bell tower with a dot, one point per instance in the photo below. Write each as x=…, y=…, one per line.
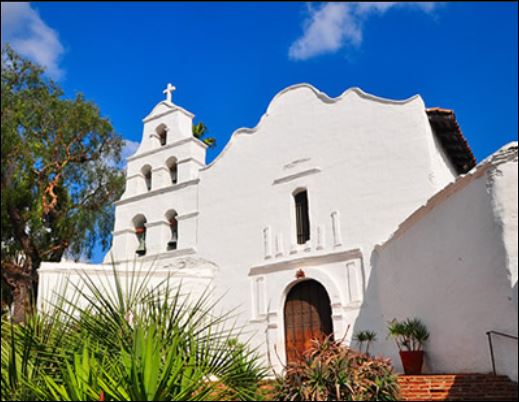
x=158, y=212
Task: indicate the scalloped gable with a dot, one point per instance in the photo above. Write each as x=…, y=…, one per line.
x=304, y=89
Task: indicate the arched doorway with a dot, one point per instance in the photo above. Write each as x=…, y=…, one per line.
x=308, y=316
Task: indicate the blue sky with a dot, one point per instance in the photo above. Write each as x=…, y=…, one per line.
x=228, y=60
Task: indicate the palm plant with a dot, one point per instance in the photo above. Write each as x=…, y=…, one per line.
x=128, y=341
x=365, y=337
x=410, y=334
x=199, y=131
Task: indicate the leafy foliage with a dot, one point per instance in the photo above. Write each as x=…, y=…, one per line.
x=128, y=343
x=60, y=175
x=410, y=334
x=200, y=130
x=365, y=338
x=330, y=371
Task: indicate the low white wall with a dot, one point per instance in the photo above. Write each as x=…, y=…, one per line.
x=64, y=279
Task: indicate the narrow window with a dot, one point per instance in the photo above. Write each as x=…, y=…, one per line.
x=302, y=220
x=173, y=173
x=147, y=177
x=171, y=164
x=146, y=171
x=173, y=227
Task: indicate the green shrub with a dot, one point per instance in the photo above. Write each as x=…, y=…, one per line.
x=140, y=345
x=410, y=334
x=365, y=338
x=330, y=371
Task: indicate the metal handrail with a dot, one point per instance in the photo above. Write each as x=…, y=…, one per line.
x=489, y=335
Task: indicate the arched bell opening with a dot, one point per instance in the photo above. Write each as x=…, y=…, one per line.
x=171, y=217
x=162, y=133
x=139, y=224
x=146, y=172
x=171, y=164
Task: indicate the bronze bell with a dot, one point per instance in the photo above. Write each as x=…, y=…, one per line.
x=141, y=250
x=172, y=243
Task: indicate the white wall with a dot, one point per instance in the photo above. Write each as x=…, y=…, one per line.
x=365, y=159
x=450, y=266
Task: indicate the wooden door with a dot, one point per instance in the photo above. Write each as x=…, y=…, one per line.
x=308, y=316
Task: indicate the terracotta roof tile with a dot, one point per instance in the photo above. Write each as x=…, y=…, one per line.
x=446, y=128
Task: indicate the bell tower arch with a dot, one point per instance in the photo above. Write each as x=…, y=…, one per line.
x=161, y=184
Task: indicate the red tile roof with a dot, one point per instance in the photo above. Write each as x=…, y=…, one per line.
x=446, y=128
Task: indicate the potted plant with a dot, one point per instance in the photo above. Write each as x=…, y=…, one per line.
x=410, y=336
x=365, y=337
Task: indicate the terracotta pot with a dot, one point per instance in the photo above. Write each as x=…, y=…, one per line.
x=412, y=361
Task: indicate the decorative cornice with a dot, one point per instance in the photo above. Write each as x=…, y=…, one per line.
x=107, y=266
x=187, y=216
x=179, y=266
x=133, y=176
x=158, y=191
x=166, y=147
x=123, y=231
x=296, y=175
x=161, y=256
x=190, y=160
x=311, y=260
x=156, y=223
x=172, y=108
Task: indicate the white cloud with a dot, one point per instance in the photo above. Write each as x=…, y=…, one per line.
x=130, y=147
x=335, y=25
x=31, y=37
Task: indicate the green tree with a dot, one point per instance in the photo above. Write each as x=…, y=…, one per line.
x=60, y=175
x=199, y=131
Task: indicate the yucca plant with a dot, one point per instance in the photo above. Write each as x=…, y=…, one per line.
x=365, y=338
x=29, y=349
x=410, y=334
x=128, y=341
x=330, y=371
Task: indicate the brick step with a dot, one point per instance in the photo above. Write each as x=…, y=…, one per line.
x=457, y=387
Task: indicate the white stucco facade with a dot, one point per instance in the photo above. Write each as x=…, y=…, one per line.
x=369, y=166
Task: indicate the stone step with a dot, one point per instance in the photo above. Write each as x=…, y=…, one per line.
x=457, y=387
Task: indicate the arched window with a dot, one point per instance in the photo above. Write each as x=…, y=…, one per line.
x=139, y=223
x=172, y=168
x=302, y=219
x=146, y=172
x=162, y=132
x=171, y=216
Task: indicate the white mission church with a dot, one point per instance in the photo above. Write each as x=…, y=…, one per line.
x=356, y=208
